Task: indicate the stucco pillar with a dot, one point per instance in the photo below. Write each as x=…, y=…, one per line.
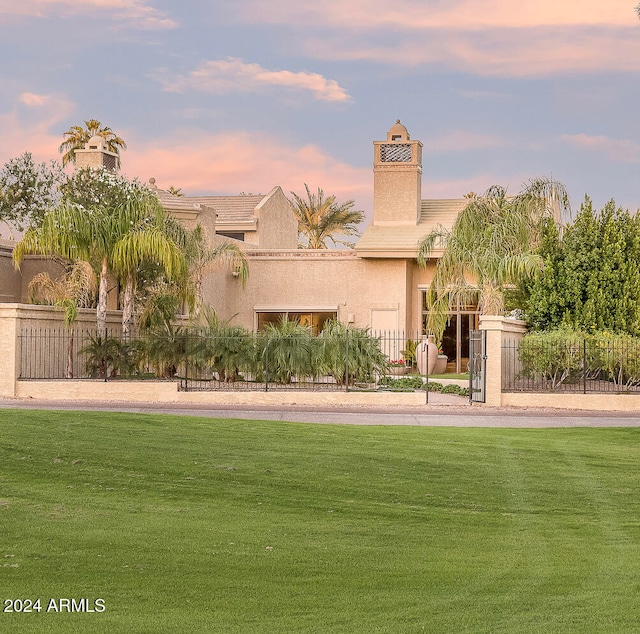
x=9, y=329
x=499, y=330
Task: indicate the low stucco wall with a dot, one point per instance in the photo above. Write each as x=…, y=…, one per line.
x=167, y=392
x=593, y=402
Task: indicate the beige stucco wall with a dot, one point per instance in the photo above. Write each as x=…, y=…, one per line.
x=15, y=317
x=498, y=330
x=593, y=402
x=14, y=283
x=10, y=279
x=30, y=267
x=167, y=392
x=397, y=194
x=190, y=219
x=277, y=226
x=313, y=279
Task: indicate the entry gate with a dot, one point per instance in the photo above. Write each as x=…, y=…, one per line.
x=477, y=365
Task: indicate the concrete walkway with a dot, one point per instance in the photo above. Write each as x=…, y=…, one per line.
x=447, y=410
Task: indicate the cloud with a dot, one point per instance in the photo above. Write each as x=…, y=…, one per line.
x=237, y=161
x=499, y=52
x=195, y=160
x=27, y=126
x=407, y=15
x=234, y=75
x=492, y=37
x=619, y=150
x=130, y=13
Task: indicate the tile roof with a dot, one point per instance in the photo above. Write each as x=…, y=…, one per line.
x=401, y=241
x=231, y=209
x=175, y=203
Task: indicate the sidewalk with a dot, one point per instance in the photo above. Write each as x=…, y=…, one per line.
x=450, y=410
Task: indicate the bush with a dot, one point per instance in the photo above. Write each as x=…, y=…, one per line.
x=555, y=356
x=111, y=357
x=365, y=358
x=404, y=383
x=616, y=357
x=285, y=349
x=565, y=356
x=455, y=389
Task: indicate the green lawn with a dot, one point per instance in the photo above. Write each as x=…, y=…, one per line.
x=198, y=525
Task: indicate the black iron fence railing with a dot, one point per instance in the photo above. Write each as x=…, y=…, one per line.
x=579, y=365
x=201, y=360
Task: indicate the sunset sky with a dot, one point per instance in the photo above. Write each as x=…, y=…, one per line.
x=230, y=96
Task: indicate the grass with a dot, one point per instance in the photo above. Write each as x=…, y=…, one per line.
x=462, y=377
x=197, y=525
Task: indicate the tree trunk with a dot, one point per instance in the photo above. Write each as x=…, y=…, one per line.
x=127, y=307
x=69, y=372
x=102, y=301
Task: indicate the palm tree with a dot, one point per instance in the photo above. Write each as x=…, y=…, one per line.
x=321, y=219
x=145, y=233
x=77, y=136
x=116, y=242
x=75, y=289
x=489, y=248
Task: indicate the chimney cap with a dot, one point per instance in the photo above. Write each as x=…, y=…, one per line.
x=398, y=132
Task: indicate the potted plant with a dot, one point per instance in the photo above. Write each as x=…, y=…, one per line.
x=397, y=366
x=441, y=363
x=409, y=352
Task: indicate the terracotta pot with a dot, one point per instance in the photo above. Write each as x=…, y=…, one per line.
x=426, y=355
x=397, y=370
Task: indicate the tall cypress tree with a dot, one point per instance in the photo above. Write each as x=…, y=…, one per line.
x=591, y=277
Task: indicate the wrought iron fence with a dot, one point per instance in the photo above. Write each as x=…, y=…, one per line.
x=81, y=353
x=201, y=360
x=578, y=365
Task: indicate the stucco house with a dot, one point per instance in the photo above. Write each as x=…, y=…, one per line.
x=377, y=285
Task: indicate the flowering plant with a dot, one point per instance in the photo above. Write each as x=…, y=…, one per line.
x=396, y=363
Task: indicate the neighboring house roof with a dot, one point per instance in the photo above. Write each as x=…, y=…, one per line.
x=231, y=210
x=401, y=241
x=180, y=205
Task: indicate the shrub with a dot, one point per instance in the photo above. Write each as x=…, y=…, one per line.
x=405, y=382
x=166, y=347
x=111, y=357
x=455, y=389
x=223, y=349
x=365, y=358
x=616, y=356
x=555, y=356
x=285, y=349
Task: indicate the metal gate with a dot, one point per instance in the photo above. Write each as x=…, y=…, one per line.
x=477, y=365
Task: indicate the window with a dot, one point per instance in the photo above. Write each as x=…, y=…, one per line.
x=311, y=319
x=455, y=338
x=235, y=235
